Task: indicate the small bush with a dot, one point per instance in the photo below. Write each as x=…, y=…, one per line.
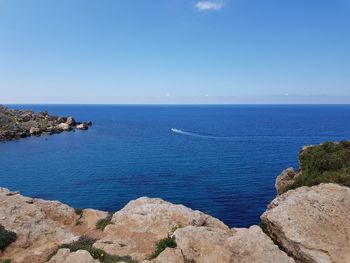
x=162, y=245
x=6, y=237
x=102, y=223
x=78, y=211
x=326, y=163
x=85, y=243
x=6, y=261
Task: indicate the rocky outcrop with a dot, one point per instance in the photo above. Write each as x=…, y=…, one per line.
x=309, y=224
x=137, y=228
x=65, y=256
x=284, y=180
x=206, y=245
x=42, y=226
x=15, y=124
x=312, y=223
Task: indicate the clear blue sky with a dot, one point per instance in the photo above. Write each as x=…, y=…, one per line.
x=174, y=51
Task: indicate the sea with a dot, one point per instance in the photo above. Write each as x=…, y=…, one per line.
x=220, y=159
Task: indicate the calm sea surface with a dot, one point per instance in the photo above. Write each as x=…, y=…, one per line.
x=222, y=160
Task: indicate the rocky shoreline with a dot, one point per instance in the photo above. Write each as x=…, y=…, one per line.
x=16, y=124
x=308, y=224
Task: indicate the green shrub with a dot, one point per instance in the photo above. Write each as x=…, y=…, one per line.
x=6, y=237
x=79, y=211
x=102, y=223
x=85, y=243
x=6, y=261
x=326, y=163
x=162, y=245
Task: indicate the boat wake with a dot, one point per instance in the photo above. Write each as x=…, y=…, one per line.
x=196, y=134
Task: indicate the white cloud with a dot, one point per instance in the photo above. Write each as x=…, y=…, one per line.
x=209, y=5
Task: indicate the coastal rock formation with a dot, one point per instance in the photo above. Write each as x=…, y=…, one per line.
x=65, y=256
x=206, y=245
x=137, y=228
x=285, y=179
x=42, y=226
x=312, y=223
x=15, y=124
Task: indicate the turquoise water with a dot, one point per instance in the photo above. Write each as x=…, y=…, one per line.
x=219, y=159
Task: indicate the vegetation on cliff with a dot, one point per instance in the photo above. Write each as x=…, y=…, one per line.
x=6, y=237
x=86, y=243
x=325, y=163
x=15, y=124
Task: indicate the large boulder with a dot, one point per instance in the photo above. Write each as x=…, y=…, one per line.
x=169, y=255
x=63, y=127
x=39, y=225
x=34, y=131
x=90, y=217
x=284, y=180
x=82, y=126
x=65, y=256
x=207, y=245
x=312, y=223
x=137, y=228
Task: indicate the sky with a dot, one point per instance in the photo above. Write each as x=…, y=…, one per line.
x=174, y=51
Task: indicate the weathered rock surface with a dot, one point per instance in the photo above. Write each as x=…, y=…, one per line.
x=90, y=217
x=206, y=245
x=142, y=223
x=82, y=126
x=285, y=179
x=312, y=223
x=40, y=225
x=169, y=255
x=65, y=256
x=15, y=124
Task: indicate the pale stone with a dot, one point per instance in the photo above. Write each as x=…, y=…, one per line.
x=207, y=245
x=143, y=222
x=312, y=223
x=65, y=256
x=63, y=126
x=285, y=179
x=39, y=225
x=90, y=217
x=34, y=130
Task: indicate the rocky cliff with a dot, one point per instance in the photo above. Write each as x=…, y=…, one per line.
x=306, y=224
x=15, y=124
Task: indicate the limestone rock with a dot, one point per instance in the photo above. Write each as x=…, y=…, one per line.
x=82, y=126
x=207, y=245
x=38, y=228
x=63, y=127
x=285, y=179
x=169, y=255
x=143, y=222
x=34, y=131
x=312, y=223
x=65, y=256
x=91, y=216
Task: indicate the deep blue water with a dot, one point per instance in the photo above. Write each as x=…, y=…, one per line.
x=221, y=159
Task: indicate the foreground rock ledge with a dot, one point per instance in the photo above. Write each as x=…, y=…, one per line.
x=41, y=226
x=312, y=223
